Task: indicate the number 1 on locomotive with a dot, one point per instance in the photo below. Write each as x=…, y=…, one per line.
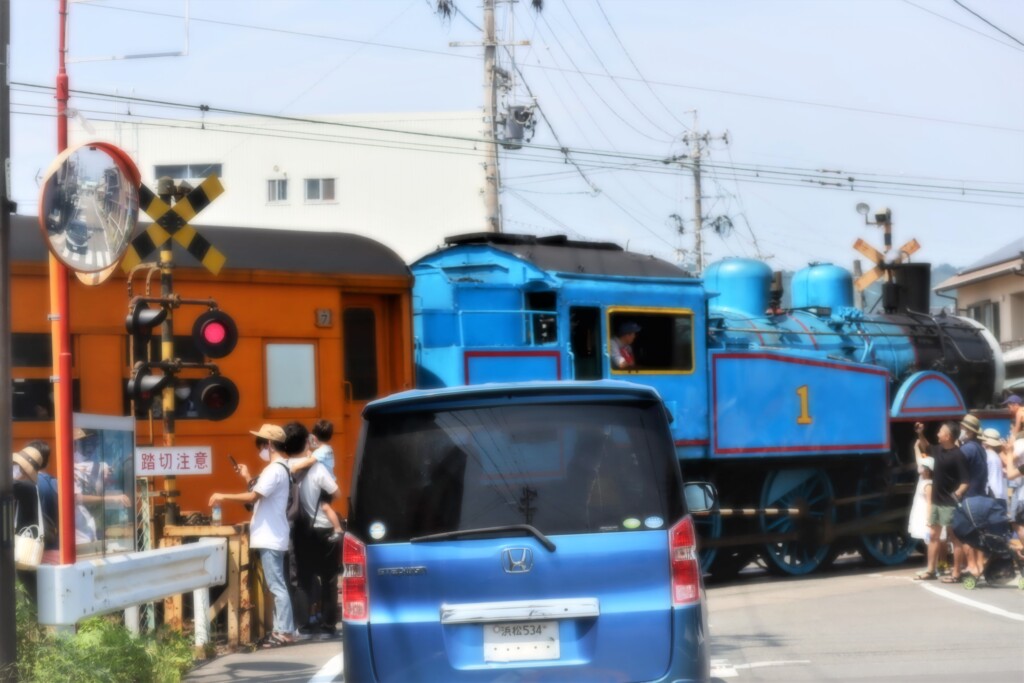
x=805, y=415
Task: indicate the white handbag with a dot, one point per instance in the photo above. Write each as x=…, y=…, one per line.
x=28, y=543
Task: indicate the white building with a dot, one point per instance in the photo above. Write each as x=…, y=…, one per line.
x=406, y=180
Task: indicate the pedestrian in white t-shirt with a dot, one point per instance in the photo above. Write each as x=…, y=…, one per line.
x=269, y=531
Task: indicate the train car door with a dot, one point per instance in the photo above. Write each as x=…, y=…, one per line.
x=365, y=345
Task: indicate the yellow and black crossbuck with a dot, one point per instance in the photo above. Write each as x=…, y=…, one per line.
x=172, y=222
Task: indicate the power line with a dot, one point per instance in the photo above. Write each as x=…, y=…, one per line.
x=848, y=181
x=637, y=68
x=1014, y=39
x=284, y=31
x=600, y=61
x=786, y=100
x=576, y=69
x=963, y=26
x=455, y=55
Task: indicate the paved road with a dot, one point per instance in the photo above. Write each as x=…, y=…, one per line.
x=853, y=624
x=865, y=624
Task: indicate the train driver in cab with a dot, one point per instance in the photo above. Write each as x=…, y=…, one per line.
x=622, y=346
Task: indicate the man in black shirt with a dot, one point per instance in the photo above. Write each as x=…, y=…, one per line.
x=950, y=480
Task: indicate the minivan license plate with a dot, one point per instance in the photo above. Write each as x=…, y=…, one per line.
x=521, y=641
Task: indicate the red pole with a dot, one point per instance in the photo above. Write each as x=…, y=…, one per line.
x=61, y=336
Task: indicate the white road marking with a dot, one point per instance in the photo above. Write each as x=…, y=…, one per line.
x=955, y=597
x=720, y=668
x=329, y=671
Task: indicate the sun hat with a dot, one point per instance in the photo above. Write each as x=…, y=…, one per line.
x=270, y=433
x=992, y=437
x=971, y=423
x=28, y=467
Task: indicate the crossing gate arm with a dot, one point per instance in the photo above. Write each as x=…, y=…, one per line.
x=69, y=593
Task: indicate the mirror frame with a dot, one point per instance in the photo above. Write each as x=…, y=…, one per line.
x=128, y=169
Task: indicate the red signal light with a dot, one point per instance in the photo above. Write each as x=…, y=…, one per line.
x=215, y=334
x=216, y=397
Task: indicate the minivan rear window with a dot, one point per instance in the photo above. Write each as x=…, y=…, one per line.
x=563, y=468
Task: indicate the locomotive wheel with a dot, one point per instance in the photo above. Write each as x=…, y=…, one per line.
x=886, y=548
x=811, y=491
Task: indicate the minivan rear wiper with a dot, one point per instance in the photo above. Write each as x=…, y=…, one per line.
x=532, y=530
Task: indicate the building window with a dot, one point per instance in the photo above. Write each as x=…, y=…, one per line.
x=277, y=190
x=291, y=376
x=188, y=172
x=986, y=313
x=319, y=189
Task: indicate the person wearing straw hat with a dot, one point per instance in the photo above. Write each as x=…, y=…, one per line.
x=269, y=532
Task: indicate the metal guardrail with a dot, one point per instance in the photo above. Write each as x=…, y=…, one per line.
x=69, y=593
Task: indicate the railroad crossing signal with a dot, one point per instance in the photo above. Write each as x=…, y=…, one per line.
x=878, y=258
x=172, y=222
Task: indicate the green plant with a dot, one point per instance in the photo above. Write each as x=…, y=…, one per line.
x=101, y=651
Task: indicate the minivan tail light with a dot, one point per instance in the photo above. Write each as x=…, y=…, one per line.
x=685, y=567
x=355, y=605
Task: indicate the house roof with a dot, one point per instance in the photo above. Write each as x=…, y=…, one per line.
x=1006, y=259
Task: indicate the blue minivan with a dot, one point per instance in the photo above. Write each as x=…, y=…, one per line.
x=522, y=532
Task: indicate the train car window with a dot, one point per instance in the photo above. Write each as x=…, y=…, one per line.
x=585, y=341
x=544, y=319
x=31, y=350
x=360, y=330
x=291, y=375
x=33, y=399
x=663, y=344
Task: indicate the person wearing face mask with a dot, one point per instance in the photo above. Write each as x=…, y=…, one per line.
x=269, y=530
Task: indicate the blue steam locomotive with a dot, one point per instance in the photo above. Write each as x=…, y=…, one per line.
x=801, y=417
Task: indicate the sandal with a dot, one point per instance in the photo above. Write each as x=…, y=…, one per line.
x=275, y=640
x=952, y=579
x=925, y=576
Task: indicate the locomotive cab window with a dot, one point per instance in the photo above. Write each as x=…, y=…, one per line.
x=543, y=317
x=650, y=341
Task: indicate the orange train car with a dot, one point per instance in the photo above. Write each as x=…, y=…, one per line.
x=324, y=322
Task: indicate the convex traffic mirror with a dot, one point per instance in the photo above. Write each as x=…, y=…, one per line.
x=89, y=207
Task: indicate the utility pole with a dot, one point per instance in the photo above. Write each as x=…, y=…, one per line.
x=696, y=141
x=492, y=174
x=492, y=81
x=8, y=622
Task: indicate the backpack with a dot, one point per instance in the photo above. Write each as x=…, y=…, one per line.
x=293, y=508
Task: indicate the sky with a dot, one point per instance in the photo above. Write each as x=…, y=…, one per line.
x=914, y=105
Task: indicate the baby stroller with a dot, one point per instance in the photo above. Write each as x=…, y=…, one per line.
x=983, y=523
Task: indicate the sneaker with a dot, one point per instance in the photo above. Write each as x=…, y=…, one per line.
x=327, y=634
x=304, y=633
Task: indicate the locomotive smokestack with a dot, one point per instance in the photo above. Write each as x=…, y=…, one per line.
x=913, y=283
